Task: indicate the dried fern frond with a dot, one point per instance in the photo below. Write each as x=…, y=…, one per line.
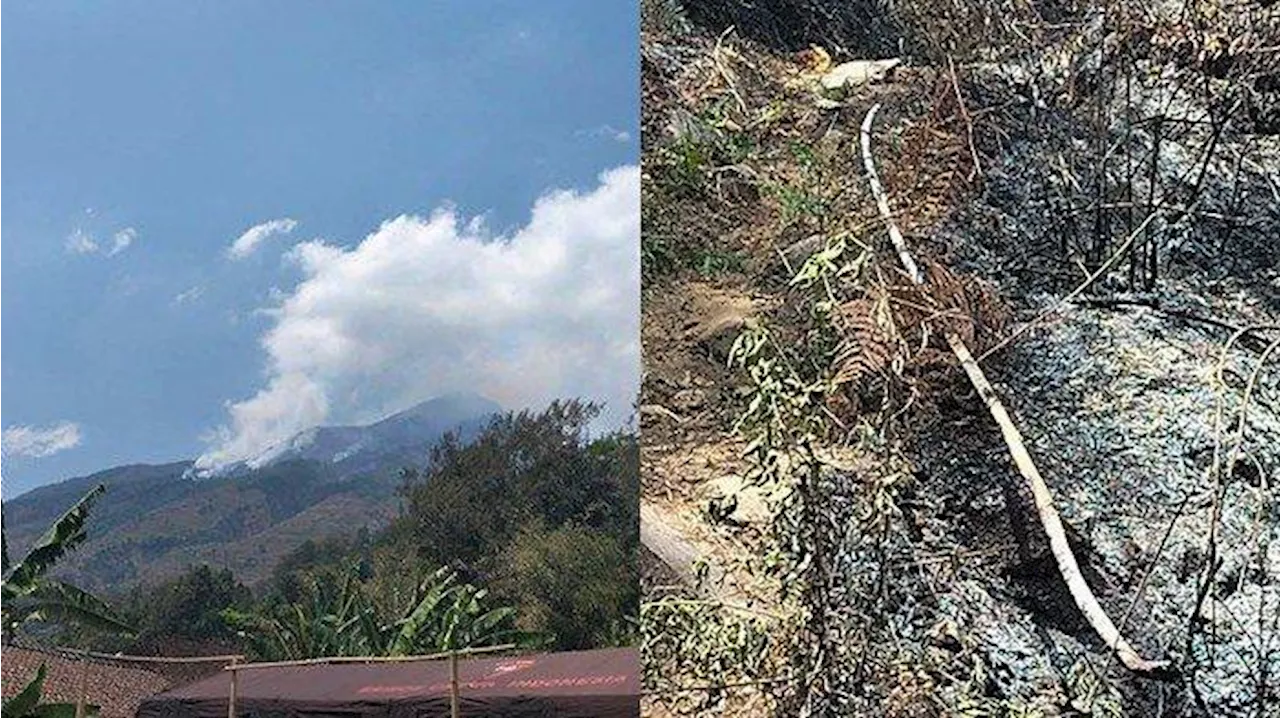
x=969, y=306
x=869, y=342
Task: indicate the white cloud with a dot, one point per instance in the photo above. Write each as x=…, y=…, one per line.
x=37, y=442
x=429, y=305
x=188, y=296
x=80, y=242
x=121, y=240
x=255, y=235
x=608, y=131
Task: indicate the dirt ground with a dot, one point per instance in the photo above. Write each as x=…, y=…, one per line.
x=907, y=573
x=721, y=248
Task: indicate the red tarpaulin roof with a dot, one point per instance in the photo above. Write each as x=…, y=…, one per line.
x=582, y=684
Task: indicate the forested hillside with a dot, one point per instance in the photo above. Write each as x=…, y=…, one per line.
x=526, y=533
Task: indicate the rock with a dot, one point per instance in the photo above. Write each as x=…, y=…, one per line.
x=858, y=72
x=659, y=533
x=662, y=411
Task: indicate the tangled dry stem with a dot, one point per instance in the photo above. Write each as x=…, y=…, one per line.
x=1051, y=521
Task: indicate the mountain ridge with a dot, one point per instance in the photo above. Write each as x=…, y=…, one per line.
x=324, y=481
x=347, y=443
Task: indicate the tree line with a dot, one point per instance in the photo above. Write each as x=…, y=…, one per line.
x=528, y=534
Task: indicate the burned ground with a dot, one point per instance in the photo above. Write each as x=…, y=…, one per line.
x=805, y=427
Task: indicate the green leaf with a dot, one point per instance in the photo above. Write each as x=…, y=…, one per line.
x=63, y=536
x=427, y=612
x=62, y=710
x=4, y=538
x=26, y=700
x=489, y=621
x=61, y=601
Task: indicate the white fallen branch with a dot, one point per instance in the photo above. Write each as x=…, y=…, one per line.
x=1067, y=565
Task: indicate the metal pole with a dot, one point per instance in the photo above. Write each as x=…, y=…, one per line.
x=231, y=697
x=454, y=709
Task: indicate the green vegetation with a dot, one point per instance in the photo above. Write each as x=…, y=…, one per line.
x=705, y=160
x=31, y=596
x=26, y=703
x=336, y=617
x=528, y=534
x=548, y=516
x=190, y=606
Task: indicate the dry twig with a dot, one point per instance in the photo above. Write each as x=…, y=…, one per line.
x=1049, y=518
x=968, y=122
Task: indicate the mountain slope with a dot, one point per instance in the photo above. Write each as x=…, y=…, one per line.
x=326, y=481
x=361, y=448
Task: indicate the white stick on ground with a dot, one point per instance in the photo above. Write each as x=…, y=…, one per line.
x=1084, y=598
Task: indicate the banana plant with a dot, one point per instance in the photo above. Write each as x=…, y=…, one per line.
x=329, y=621
x=26, y=703
x=336, y=618
x=30, y=595
x=448, y=615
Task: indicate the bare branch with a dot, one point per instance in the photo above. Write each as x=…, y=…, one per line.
x=1049, y=518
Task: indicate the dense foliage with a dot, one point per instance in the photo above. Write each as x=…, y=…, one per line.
x=529, y=534
x=336, y=616
x=31, y=596
x=545, y=516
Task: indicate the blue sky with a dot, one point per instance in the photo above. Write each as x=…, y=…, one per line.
x=142, y=139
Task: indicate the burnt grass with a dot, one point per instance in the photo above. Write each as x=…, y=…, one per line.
x=929, y=588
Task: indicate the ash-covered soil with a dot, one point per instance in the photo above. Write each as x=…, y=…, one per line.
x=1114, y=181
